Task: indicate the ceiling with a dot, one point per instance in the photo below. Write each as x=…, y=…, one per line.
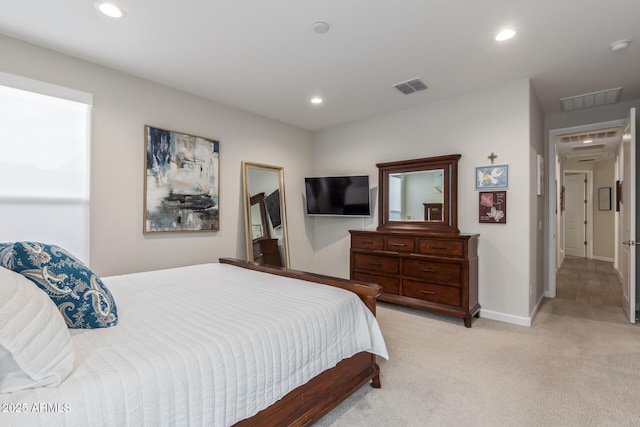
x=264, y=57
x=591, y=146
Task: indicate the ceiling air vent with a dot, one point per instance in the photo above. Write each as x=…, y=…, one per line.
x=587, y=147
x=593, y=99
x=586, y=160
x=593, y=136
x=410, y=86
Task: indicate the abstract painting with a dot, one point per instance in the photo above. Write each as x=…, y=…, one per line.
x=181, y=182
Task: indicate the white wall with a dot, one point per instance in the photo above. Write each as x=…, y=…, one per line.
x=497, y=119
x=123, y=104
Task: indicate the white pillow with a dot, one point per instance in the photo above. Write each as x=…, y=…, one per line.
x=35, y=344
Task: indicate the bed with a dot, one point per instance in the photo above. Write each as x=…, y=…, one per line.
x=228, y=343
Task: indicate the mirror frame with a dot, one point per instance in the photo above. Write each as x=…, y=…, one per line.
x=258, y=199
x=449, y=164
x=246, y=167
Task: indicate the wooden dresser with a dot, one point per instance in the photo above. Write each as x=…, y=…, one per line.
x=431, y=271
x=267, y=252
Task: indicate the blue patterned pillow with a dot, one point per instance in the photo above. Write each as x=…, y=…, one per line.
x=82, y=298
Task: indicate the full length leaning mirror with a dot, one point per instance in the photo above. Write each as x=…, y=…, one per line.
x=264, y=213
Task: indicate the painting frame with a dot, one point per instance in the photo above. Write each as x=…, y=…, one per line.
x=604, y=198
x=539, y=175
x=492, y=176
x=492, y=207
x=181, y=182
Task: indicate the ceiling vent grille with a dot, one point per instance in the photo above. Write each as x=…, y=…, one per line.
x=410, y=86
x=588, y=136
x=587, y=147
x=587, y=160
x=593, y=99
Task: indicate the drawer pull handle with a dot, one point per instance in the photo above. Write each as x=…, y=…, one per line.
x=427, y=270
x=374, y=263
x=398, y=244
x=428, y=292
x=440, y=248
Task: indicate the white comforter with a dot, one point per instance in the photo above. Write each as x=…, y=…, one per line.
x=203, y=345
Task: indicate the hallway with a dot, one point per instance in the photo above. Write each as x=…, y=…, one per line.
x=589, y=282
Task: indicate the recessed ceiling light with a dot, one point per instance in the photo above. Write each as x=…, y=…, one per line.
x=505, y=35
x=320, y=27
x=110, y=9
x=587, y=141
x=620, y=44
x=316, y=100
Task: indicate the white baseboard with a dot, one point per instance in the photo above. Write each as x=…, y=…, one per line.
x=533, y=313
x=602, y=258
x=507, y=318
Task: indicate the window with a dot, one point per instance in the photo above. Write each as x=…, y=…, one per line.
x=44, y=164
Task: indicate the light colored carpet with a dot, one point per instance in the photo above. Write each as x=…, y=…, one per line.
x=578, y=365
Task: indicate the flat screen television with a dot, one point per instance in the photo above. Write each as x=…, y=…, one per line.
x=338, y=195
x=272, y=203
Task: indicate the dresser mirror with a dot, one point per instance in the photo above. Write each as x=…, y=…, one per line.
x=419, y=195
x=265, y=216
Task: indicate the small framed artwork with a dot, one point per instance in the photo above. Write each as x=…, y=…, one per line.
x=493, y=207
x=618, y=195
x=256, y=231
x=540, y=177
x=604, y=198
x=181, y=182
x=494, y=176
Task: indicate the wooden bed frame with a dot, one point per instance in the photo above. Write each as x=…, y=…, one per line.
x=311, y=401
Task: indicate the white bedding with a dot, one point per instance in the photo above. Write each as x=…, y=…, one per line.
x=203, y=345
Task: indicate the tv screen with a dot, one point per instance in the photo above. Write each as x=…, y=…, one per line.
x=272, y=202
x=338, y=195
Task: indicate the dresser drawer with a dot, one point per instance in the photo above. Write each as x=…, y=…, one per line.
x=430, y=292
x=367, y=242
x=433, y=271
x=389, y=285
x=376, y=263
x=400, y=244
x=440, y=247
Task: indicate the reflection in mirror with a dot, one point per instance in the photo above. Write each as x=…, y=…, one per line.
x=416, y=196
x=265, y=218
x=419, y=195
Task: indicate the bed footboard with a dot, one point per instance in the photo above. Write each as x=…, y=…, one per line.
x=311, y=401
x=368, y=292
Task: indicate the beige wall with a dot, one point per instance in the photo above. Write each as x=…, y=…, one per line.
x=536, y=229
x=123, y=104
x=604, y=220
x=603, y=227
x=498, y=120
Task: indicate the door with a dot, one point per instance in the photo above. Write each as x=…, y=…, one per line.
x=628, y=220
x=575, y=214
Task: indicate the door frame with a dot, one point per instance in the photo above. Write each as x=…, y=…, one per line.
x=552, y=196
x=588, y=250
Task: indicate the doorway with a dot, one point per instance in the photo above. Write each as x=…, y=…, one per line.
x=557, y=201
x=577, y=205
